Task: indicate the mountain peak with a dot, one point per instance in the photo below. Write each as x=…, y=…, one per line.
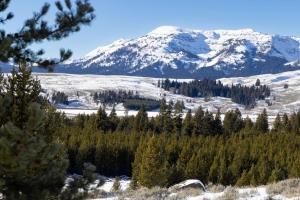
x=167, y=30
x=170, y=51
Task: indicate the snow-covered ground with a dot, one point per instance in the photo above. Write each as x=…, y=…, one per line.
x=283, y=100
x=249, y=193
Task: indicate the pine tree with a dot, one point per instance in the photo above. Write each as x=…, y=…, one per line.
x=187, y=124
x=217, y=124
x=233, y=122
x=136, y=165
x=153, y=169
x=141, y=120
x=262, y=124
x=244, y=179
x=15, y=46
x=207, y=124
x=277, y=125
x=197, y=121
x=33, y=160
x=168, y=123
x=191, y=170
x=116, y=185
x=257, y=83
x=113, y=119
x=101, y=121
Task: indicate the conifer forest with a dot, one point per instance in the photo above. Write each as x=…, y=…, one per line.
x=171, y=148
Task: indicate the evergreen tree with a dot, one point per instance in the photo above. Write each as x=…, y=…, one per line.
x=15, y=46
x=262, y=124
x=113, y=119
x=277, y=124
x=244, y=179
x=286, y=124
x=101, y=121
x=257, y=83
x=187, y=124
x=233, y=122
x=184, y=158
x=168, y=122
x=116, y=185
x=208, y=124
x=197, y=121
x=141, y=120
x=33, y=160
x=153, y=169
x=177, y=124
x=217, y=124
x=136, y=165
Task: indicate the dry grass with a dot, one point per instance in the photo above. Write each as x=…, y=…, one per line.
x=155, y=193
x=97, y=194
x=185, y=193
x=230, y=193
x=288, y=188
x=215, y=188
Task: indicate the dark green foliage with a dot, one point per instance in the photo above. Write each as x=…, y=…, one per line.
x=211, y=88
x=60, y=98
x=101, y=121
x=135, y=104
x=187, y=124
x=141, y=120
x=237, y=152
x=153, y=169
x=262, y=124
x=82, y=183
x=130, y=100
x=16, y=45
x=32, y=148
x=257, y=83
x=33, y=157
x=33, y=161
x=233, y=122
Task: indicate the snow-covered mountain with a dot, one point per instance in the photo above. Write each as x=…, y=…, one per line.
x=184, y=53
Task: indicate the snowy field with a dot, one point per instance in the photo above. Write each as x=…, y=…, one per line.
x=283, y=100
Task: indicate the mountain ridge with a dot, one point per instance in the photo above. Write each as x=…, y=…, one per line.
x=176, y=52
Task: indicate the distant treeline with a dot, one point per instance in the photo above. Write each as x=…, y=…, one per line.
x=60, y=97
x=130, y=99
x=211, y=88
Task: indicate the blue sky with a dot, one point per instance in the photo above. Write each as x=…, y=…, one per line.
x=130, y=19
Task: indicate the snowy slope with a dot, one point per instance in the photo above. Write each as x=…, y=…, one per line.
x=181, y=53
x=283, y=100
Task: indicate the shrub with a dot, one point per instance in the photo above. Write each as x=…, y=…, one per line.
x=97, y=193
x=288, y=188
x=145, y=193
x=215, y=188
x=230, y=194
x=187, y=192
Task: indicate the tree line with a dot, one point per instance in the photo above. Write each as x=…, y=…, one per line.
x=167, y=149
x=131, y=100
x=211, y=88
x=60, y=98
